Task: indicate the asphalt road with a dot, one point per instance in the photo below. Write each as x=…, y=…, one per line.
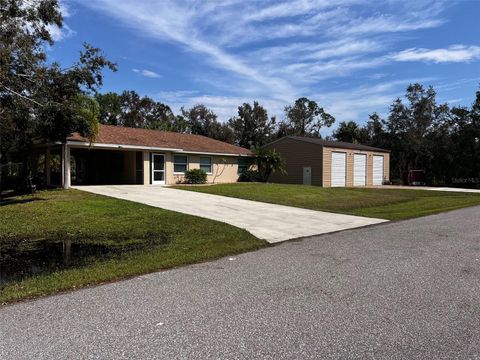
x=404, y=290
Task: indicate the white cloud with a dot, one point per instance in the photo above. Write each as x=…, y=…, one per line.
x=354, y=47
x=169, y=21
x=65, y=9
x=275, y=51
x=318, y=51
x=383, y=24
x=313, y=72
x=358, y=102
x=62, y=33
x=65, y=31
x=147, y=73
x=455, y=53
x=294, y=8
x=454, y=101
x=223, y=105
x=177, y=97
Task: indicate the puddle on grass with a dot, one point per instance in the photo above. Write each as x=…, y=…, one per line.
x=27, y=258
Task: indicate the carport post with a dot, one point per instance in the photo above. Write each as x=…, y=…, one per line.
x=65, y=166
x=47, y=166
x=146, y=168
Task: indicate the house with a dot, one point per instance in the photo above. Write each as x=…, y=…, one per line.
x=122, y=155
x=314, y=161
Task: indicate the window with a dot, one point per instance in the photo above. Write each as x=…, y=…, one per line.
x=180, y=164
x=206, y=164
x=243, y=164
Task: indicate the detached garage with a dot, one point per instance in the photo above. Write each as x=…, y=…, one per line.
x=314, y=161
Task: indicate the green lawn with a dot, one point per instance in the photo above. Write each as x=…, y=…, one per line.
x=391, y=204
x=116, y=238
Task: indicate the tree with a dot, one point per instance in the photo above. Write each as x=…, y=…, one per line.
x=373, y=133
x=222, y=132
x=23, y=31
x=110, y=108
x=252, y=126
x=88, y=111
x=465, y=143
x=162, y=118
x=305, y=118
x=58, y=118
x=348, y=132
x=40, y=100
x=267, y=161
x=412, y=130
x=131, y=110
x=200, y=120
x=180, y=124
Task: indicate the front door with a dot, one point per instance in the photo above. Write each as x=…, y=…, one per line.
x=158, y=169
x=307, y=175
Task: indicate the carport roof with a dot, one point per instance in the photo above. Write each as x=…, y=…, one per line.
x=334, y=144
x=145, y=138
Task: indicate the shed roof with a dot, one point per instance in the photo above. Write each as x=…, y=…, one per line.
x=334, y=144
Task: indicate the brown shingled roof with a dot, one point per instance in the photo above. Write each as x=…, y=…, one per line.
x=118, y=135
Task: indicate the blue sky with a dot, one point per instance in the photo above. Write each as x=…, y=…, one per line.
x=351, y=56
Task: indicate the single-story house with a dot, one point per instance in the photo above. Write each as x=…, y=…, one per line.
x=314, y=161
x=122, y=155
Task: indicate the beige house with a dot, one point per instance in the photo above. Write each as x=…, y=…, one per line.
x=122, y=155
x=314, y=161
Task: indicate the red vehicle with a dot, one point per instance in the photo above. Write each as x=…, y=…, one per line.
x=414, y=177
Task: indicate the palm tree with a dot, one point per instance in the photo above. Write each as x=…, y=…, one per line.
x=267, y=162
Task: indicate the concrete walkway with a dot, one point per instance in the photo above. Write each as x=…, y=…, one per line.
x=273, y=223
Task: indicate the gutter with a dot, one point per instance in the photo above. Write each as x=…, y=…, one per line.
x=150, y=148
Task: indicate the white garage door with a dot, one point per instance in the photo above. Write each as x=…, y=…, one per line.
x=339, y=168
x=377, y=170
x=359, y=169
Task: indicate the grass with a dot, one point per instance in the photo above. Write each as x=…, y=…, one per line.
x=155, y=239
x=390, y=204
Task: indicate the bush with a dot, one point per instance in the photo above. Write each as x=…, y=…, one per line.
x=249, y=176
x=195, y=176
x=397, y=182
x=267, y=162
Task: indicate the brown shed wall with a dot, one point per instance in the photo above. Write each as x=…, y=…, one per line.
x=297, y=155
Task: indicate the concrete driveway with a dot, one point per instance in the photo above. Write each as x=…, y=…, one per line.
x=270, y=222
x=400, y=290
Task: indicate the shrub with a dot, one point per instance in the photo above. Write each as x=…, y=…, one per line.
x=397, y=182
x=195, y=176
x=249, y=176
x=267, y=162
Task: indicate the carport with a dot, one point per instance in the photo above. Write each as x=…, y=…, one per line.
x=67, y=164
x=105, y=167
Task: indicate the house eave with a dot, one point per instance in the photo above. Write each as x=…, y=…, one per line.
x=117, y=146
x=80, y=144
